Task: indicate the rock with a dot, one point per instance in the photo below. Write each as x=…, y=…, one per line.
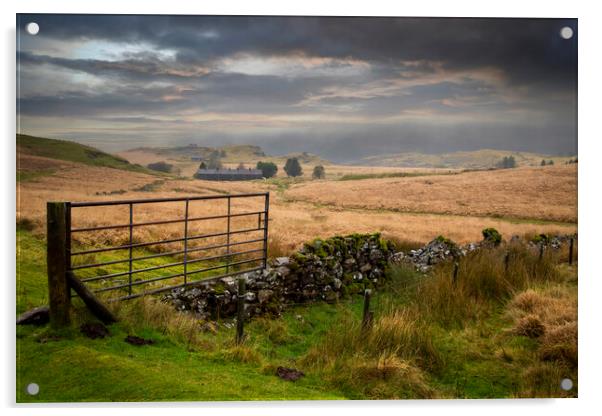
x=365, y=268
x=281, y=261
x=36, y=316
x=289, y=374
x=94, y=330
x=250, y=297
x=264, y=295
x=134, y=340
x=283, y=271
x=397, y=257
x=337, y=283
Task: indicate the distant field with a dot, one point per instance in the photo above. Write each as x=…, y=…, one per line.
x=333, y=171
x=477, y=159
x=294, y=222
x=539, y=193
x=413, y=204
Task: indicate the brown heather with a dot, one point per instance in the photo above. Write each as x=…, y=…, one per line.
x=451, y=205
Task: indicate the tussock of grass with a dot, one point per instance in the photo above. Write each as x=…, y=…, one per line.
x=386, y=362
x=482, y=282
x=550, y=316
x=383, y=377
x=149, y=313
x=277, y=247
x=542, y=379
x=242, y=353
x=560, y=344
x=529, y=326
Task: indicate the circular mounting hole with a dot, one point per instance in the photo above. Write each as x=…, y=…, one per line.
x=566, y=384
x=33, y=389
x=566, y=32
x=32, y=28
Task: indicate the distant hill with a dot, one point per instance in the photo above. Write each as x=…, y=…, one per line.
x=228, y=153
x=477, y=159
x=235, y=153
x=72, y=152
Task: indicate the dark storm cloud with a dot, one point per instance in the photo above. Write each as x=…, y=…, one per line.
x=528, y=49
x=344, y=87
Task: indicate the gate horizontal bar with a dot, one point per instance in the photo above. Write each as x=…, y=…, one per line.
x=156, y=279
x=170, y=253
x=142, y=224
x=175, y=240
x=167, y=266
x=157, y=200
x=189, y=284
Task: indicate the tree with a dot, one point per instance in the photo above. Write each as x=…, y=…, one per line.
x=202, y=165
x=550, y=162
x=511, y=162
x=507, y=162
x=268, y=169
x=319, y=172
x=292, y=167
x=160, y=167
x=214, y=161
x=543, y=162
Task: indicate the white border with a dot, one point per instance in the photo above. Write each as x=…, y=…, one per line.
x=590, y=152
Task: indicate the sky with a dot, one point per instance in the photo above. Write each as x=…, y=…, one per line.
x=341, y=87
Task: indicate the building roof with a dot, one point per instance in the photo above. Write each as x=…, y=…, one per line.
x=250, y=172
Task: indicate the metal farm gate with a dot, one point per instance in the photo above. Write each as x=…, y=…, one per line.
x=80, y=269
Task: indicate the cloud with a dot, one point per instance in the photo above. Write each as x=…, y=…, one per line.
x=294, y=82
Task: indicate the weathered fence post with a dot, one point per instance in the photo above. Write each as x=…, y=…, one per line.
x=367, y=317
x=57, y=230
x=506, y=261
x=240, y=319
x=571, y=252
x=455, y=276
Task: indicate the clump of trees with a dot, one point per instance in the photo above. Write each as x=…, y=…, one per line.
x=214, y=161
x=292, y=167
x=507, y=162
x=544, y=163
x=160, y=167
x=319, y=172
x=268, y=169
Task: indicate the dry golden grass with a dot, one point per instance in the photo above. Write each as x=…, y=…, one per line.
x=551, y=316
x=291, y=223
x=552, y=312
x=537, y=193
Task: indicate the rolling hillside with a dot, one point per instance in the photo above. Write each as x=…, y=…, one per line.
x=235, y=153
x=478, y=159
x=31, y=146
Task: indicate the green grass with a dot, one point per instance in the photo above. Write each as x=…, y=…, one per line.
x=479, y=359
x=72, y=152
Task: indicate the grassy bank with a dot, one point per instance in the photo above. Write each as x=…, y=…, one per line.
x=495, y=333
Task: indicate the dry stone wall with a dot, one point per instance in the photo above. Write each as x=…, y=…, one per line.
x=322, y=270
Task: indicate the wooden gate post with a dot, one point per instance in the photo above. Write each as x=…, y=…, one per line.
x=57, y=260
